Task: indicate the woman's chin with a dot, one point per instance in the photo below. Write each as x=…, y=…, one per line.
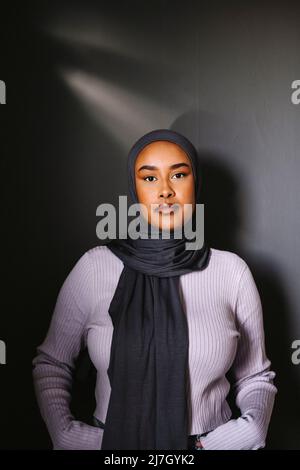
x=166, y=223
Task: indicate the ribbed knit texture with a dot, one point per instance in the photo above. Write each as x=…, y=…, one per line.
x=225, y=322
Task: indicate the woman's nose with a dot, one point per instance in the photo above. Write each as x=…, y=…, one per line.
x=166, y=191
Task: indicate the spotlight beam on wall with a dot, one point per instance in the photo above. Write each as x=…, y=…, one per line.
x=123, y=114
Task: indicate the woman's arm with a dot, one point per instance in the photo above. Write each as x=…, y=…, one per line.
x=54, y=365
x=253, y=380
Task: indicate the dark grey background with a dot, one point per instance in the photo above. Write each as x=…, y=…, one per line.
x=84, y=81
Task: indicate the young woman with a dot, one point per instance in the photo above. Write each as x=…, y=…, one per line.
x=163, y=326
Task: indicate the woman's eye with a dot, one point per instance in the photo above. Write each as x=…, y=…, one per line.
x=183, y=175
x=149, y=177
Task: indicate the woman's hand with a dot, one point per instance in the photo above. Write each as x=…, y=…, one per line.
x=198, y=444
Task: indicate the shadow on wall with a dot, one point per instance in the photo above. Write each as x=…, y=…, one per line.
x=225, y=202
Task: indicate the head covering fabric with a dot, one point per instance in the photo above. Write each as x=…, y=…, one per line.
x=148, y=365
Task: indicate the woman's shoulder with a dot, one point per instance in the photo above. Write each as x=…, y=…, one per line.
x=227, y=260
x=101, y=256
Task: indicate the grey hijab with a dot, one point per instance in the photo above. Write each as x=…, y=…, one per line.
x=148, y=405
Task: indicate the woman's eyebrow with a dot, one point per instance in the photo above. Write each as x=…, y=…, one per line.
x=152, y=167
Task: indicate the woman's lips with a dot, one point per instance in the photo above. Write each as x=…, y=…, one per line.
x=166, y=208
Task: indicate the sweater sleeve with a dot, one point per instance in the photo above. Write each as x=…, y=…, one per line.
x=54, y=364
x=253, y=386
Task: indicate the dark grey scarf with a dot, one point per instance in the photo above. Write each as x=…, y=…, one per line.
x=148, y=365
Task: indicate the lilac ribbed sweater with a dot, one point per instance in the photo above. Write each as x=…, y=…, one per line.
x=225, y=323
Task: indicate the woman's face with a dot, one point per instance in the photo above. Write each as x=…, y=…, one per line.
x=164, y=175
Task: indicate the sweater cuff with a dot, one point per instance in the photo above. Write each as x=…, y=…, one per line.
x=236, y=434
x=79, y=436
